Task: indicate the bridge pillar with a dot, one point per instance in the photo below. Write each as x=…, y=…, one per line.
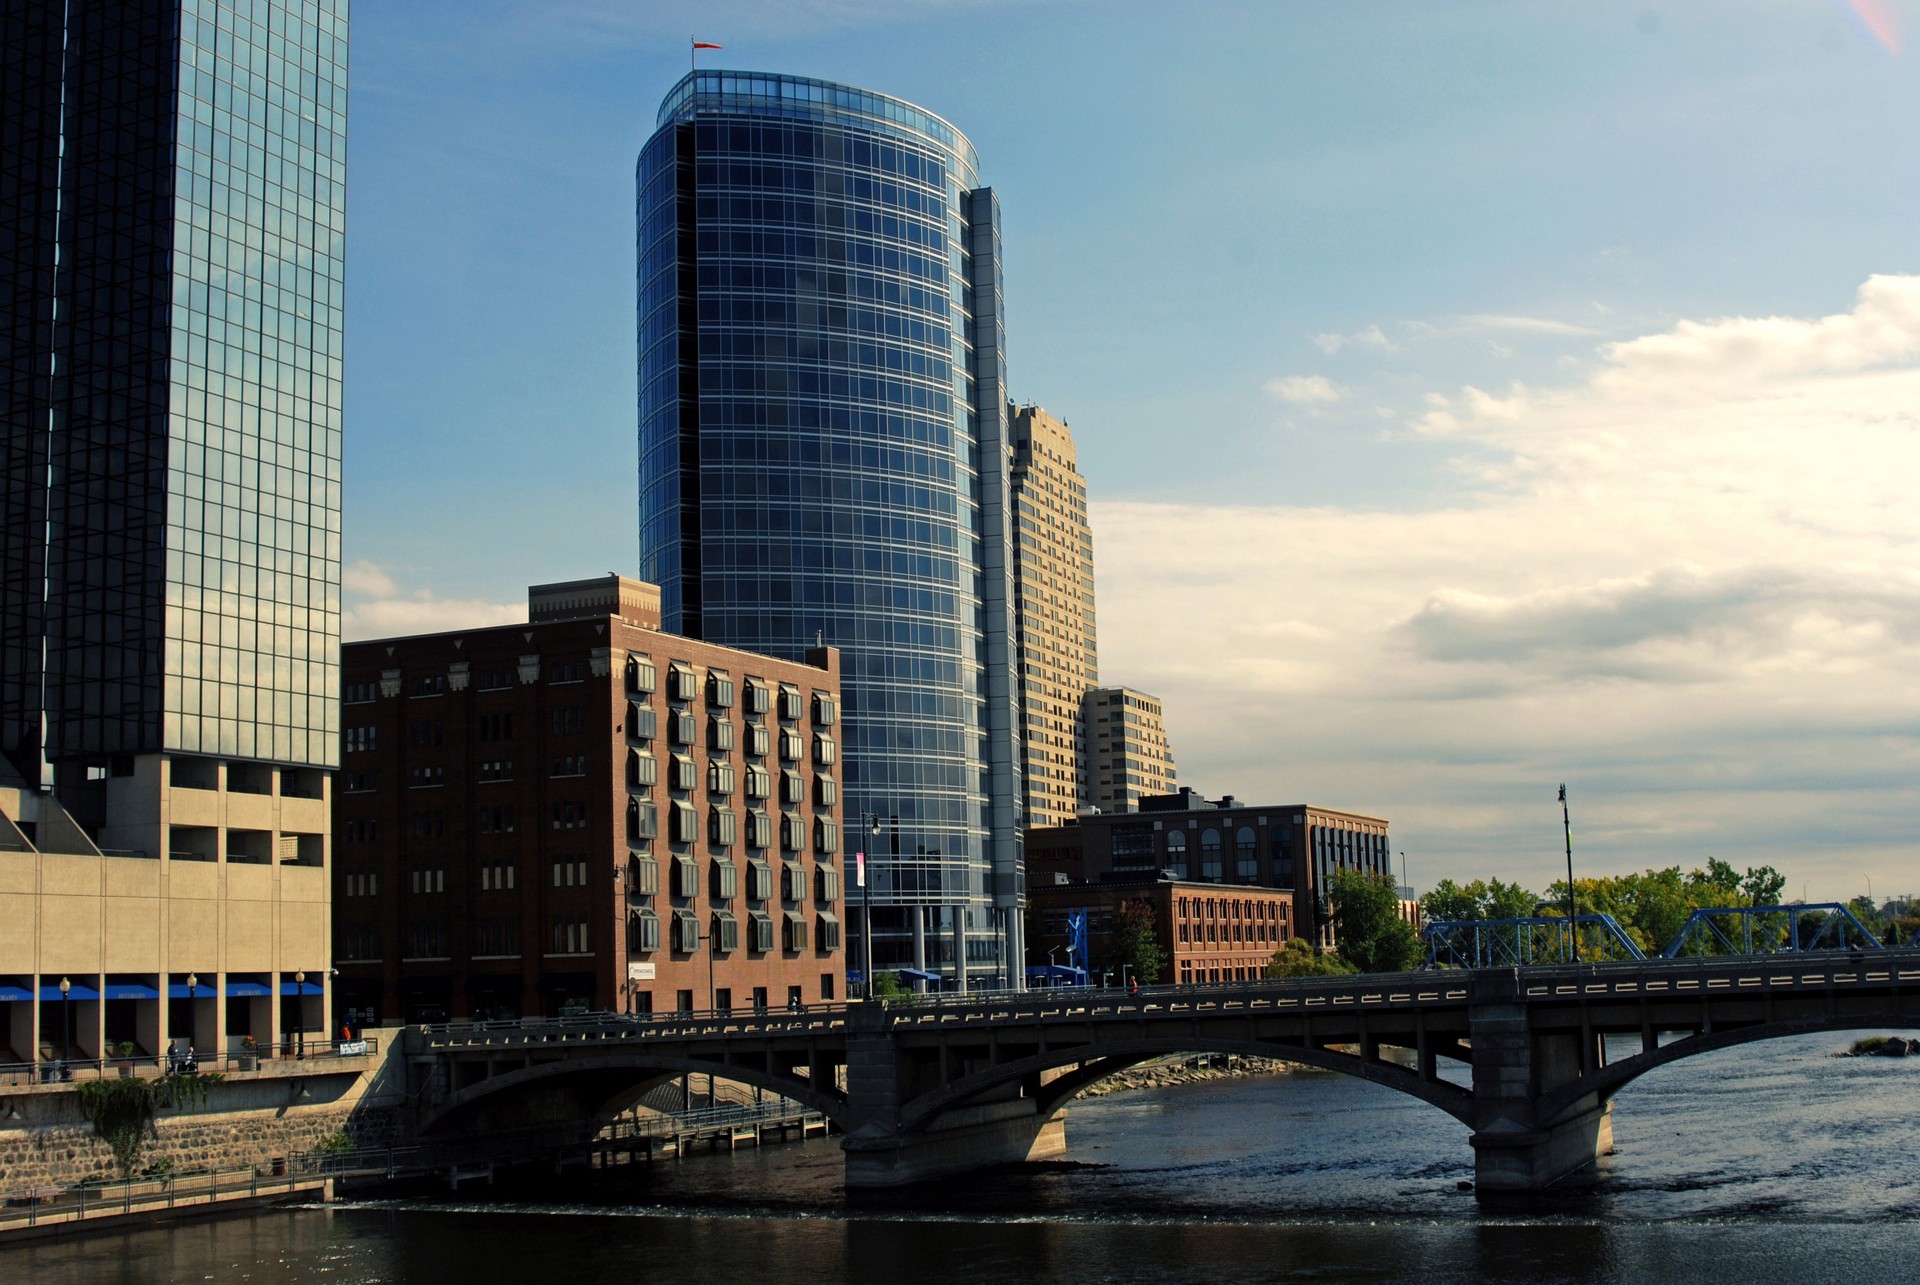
x=976, y=1136
x=1513, y=1066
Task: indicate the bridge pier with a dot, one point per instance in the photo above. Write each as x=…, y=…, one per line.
x=1006, y=1129
x=1514, y=1066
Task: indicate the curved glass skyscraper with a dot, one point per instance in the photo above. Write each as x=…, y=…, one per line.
x=823, y=457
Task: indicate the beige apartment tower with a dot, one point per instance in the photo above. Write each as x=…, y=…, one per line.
x=1053, y=594
x=1127, y=751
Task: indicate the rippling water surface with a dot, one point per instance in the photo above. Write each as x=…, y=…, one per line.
x=1773, y=1162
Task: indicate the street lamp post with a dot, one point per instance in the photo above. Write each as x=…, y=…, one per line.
x=1573, y=929
x=870, y=822
x=300, y=1014
x=66, y=1011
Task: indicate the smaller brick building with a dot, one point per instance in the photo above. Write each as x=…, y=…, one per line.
x=583, y=812
x=1209, y=932
x=1186, y=837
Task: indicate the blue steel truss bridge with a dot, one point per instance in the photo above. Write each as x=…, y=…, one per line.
x=1596, y=939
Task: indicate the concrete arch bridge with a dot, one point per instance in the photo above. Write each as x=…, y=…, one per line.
x=924, y=1090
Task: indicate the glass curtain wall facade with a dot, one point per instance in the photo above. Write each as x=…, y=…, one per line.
x=174, y=211
x=823, y=458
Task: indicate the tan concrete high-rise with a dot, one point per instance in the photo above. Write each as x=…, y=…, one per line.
x=1128, y=758
x=1053, y=596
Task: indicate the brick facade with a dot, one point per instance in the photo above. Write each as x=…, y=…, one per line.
x=584, y=812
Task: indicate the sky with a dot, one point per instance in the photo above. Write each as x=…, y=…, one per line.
x=1473, y=397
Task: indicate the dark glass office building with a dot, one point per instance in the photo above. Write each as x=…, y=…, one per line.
x=172, y=211
x=824, y=458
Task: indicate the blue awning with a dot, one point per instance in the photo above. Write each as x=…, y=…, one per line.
x=15, y=995
x=300, y=988
x=1055, y=972
x=51, y=994
x=855, y=976
x=918, y=974
x=131, y=990
x=247, y=990
x=178, y=990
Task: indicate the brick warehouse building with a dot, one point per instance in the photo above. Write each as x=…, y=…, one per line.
x=583, y=812
x=1290, y=846
x=1209, y=933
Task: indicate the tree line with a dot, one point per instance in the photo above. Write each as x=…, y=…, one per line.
x=1651, y=907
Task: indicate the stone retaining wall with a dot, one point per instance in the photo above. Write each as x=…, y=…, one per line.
x=63, y=1154
x=249, y=1120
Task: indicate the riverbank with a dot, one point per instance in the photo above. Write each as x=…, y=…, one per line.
x=1195, y=1068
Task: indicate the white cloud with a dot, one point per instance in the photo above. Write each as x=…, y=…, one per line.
x=377, y=607
x=1304, y=390
x=1369, y=337
x=1527, y=325
x=368, y=580
x=1688, y=584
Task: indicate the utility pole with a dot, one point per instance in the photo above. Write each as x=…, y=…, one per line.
x=1566, y=822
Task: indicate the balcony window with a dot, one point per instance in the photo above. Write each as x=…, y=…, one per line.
x=686, y=877
x=759, y=881
x=682, y=684
x=643, y=770
x=686, y=931
x=643, y=932
x=759, y=697
x=759, y=932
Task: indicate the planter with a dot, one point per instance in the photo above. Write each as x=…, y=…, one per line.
x=247, y=1062
x=126, y=1070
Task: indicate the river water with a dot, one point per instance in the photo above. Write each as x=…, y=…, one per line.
x=1775, y=1162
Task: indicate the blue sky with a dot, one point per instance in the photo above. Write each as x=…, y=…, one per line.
x=1451, y=379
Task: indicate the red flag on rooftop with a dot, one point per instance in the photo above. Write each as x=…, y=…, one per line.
x=701, y=44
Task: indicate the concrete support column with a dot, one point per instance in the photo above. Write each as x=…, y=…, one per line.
x=1003, y=1130
x=1515, y=1149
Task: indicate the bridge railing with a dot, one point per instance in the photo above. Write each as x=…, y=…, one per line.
x=150, y=1065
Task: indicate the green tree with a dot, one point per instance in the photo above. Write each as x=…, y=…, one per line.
x=1481, y=899
x=1654, y=905
x=1298, y=958
x=1135, y=944
x=1367, y=927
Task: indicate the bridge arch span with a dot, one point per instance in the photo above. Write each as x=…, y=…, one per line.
x=1607, y=1081
x=589, y=1090
x=1116, y=1055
